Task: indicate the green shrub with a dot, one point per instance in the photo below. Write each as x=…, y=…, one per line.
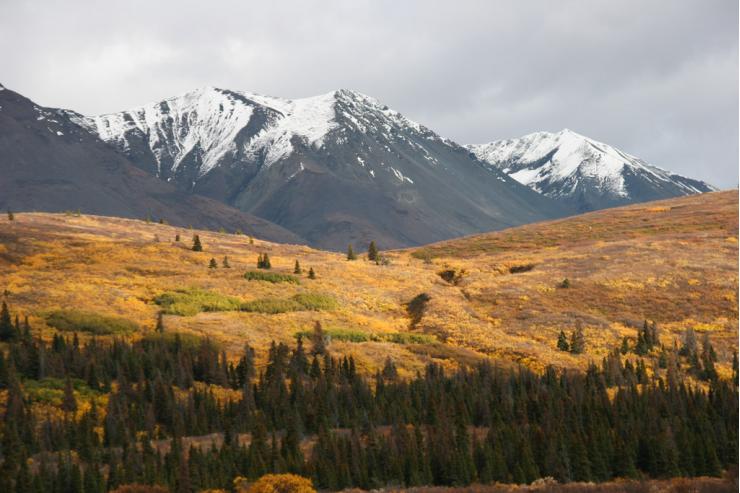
x=297, y=303
x=51, y=390
x=188, y=302
x=273, y=277
x=94, y=323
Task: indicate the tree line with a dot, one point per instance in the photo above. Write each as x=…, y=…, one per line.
x=476, y=424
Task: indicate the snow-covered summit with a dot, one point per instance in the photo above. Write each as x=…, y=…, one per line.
x=571, y=166
x=209, y=124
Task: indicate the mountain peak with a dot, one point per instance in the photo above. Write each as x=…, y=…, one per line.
x=570, y=166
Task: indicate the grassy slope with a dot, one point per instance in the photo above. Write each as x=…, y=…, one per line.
x=673, y=261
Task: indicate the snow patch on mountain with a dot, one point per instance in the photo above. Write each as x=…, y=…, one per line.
x=556, y=163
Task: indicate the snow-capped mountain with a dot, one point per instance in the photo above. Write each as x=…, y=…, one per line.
x=49, y=163
x=582, y=172
x=335, y=168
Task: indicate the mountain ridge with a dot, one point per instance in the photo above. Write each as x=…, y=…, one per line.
x=583, y=172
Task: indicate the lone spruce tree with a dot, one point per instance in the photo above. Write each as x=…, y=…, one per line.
x=351, y=253
x=213, y=264
x=372, y=252
x=311, y=273
x=297, y=269
x=6, y=324
x=11, y=216
x=563, y=342
x=197, y=247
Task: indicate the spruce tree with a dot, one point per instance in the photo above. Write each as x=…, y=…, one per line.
x=6, y=325
x=11, y=216
x=197, y=247
x=563, y=342
x=577, y=340
x=372, y=252
x=311, y=273
x=213, y=264
x=266, y=260
x=69, y=403
x=297, y=268
x=318, y=339
x=350, y=253
x=177, y=237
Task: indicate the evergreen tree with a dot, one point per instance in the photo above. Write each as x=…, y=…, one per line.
x=577, y=340
x=318, y=339
x=563, y=342
x=625, y=347
x=213, y=264
x=11, y=216
x=177, y=237
x=297, y=268
x=350, y=253
x=372, y=251
x=197, y=247
x=160, y=323
x=69, y=403
x=7, y=332
x=311, y=273
x=225, y=263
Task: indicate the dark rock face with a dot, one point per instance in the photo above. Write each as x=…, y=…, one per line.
x=50, y=163
x=335, y=169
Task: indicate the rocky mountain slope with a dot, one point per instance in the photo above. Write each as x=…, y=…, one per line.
x=582, y=172
x=50, y=163
x=338, y=168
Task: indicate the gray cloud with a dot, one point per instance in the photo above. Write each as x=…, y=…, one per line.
x=658, y=79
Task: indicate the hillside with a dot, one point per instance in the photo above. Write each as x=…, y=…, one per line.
x=674, y=262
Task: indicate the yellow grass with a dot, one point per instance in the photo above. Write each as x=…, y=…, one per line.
x=673, y=261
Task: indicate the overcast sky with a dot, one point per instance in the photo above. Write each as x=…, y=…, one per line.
x=658, y=79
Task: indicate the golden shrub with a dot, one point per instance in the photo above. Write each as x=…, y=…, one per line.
x=275, y=483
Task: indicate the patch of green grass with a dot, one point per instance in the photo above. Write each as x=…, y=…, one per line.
x=91, y=322
x=51, y=390
x=273, y=277
x=188, y=302
x=357, y=336
x=297, y=303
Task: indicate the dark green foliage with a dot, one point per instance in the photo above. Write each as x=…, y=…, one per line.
x=452, y=276
x=177, y=237
x=577, y=342
x=263, y=261
x=565, y=283
x=625, y=347
x=297, y=269
x=319, y=340
x=563, y=342
x=255, y=275
x=197, y=246
x=213, y=264
x=311, y=273
x=11, y=216
x=94, y=323
x=160, y=323
x=372, y=252
x=7, y=331
x=442, y=427
x=517, y=269
x=417, y=307
x=350, y=253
